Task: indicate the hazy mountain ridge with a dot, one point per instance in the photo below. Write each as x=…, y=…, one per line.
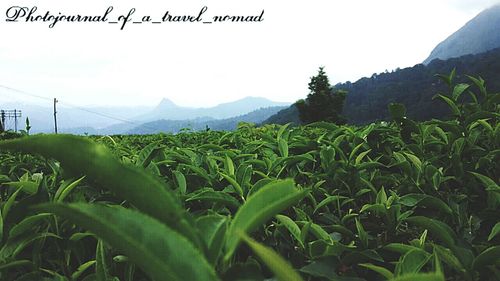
x=118, y=120
x=479, y=35
x=174, y=126
x=168, y=110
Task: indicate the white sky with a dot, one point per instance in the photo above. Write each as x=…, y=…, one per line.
x=203, y=65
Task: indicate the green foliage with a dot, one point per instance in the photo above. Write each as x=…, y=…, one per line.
x=282, y=270
x=401, y=200
x=157, y=249
x=322, y=103
x=28, y=126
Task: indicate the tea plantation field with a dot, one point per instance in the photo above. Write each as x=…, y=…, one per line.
x=398, y=200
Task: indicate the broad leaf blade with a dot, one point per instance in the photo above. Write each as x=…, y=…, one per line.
x=81, y=155
x=437, y=228
x=380, y=270
x=160, y=251
x=420, y=277
x=487, y=257
x=260, y=207
x=494, y=232
x=281, y=269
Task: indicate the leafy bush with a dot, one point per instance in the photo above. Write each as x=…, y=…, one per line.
x=403, y=200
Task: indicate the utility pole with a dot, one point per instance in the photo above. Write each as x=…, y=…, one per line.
x=2, y=123
x=15, y=120
x=55, y=116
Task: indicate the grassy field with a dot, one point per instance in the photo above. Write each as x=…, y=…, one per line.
x=398, y=200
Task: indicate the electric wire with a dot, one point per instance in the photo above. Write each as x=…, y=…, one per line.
x=77, y=107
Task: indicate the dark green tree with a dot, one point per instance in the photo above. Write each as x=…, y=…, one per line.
x=322, y=103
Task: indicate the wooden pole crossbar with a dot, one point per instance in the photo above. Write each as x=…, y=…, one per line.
x=9, y=114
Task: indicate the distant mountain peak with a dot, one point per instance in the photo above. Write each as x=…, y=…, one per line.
x=254, y=98
x=168, y=110
x=477, y=36
x=166, y=103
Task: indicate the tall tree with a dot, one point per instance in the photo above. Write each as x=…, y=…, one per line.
x=322, y=103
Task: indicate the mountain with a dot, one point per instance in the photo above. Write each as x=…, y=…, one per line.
x=118, y=120
x=367, y=98
x=479, y=35
x=168, y=110
x=286, y=115
x=174, y=126
x=71, y=119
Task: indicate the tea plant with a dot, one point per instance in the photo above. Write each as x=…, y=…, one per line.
x=399, y=200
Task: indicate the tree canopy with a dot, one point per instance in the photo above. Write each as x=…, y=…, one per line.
x=323, y=103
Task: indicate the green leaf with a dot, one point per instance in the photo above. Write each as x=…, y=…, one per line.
x=181, y=181
x=415, y=199
x=1, y=225
x=282, y=130
x=26, y=186
x=281, y=269
x=147, y=154
x=101, y=268
x=292, y=227
x=414, y=160
x=448, y=79
x=360, y=157
x=198, y=171
x=80, y=235
x=229, y=166
x=324, y=269
x=363, y=236
x=437, y=228
x=355, y=151
x=454, y=108
x=133, y=184
x=380, y=270
x=16, y=245
x=16, y=263
x=399, y=248
x=320, y=233
x=494, y=231
x=328, y=200
x=479, y=82
x=397, y=111
x=486, y=181
x=378, y=209
x=260, y=207
x=234, y=183
x=283, y=147
x=213, y=229
x=447, y=256
x=27, y=224
x=381, y=196
x=81, y=269
x=212, y=196
x=458, y=90
x=489, y=256
x=304, y=231
x=412, y=262
x=435, y=276
x=8, y=204
x=61, y=194
x=160, y=251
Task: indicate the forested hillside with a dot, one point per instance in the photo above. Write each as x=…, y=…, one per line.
x=367, y=98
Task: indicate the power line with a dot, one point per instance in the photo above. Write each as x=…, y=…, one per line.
x=77, y=107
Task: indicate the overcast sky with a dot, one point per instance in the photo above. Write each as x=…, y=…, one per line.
x=203, y=65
